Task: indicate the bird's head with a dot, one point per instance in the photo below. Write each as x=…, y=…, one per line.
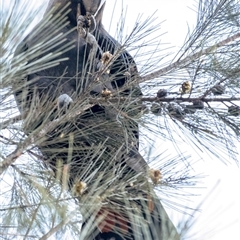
x=94, y=7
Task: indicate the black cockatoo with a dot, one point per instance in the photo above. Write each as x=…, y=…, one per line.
x=96, y=143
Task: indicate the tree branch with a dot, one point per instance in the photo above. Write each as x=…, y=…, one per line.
x=182, y=63
x=156, y=99
x=11, y=158
x=12, y=120
x=56, y=228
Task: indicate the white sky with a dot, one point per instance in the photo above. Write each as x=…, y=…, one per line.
x=222, y=208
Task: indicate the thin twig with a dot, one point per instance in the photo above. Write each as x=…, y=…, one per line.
x=56, y=228
x=156, y=99
x=12, y=120
x=184, y=62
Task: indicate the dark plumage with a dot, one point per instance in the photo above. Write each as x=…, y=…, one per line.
x=100, y=136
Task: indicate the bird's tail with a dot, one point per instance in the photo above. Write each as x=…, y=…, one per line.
x=141, y=216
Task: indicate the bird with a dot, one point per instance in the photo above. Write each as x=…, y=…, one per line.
x=98, y=138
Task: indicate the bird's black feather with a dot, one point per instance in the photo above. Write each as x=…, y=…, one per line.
x=101, y=136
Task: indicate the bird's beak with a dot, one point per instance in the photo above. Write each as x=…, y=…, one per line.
x=94, y=7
